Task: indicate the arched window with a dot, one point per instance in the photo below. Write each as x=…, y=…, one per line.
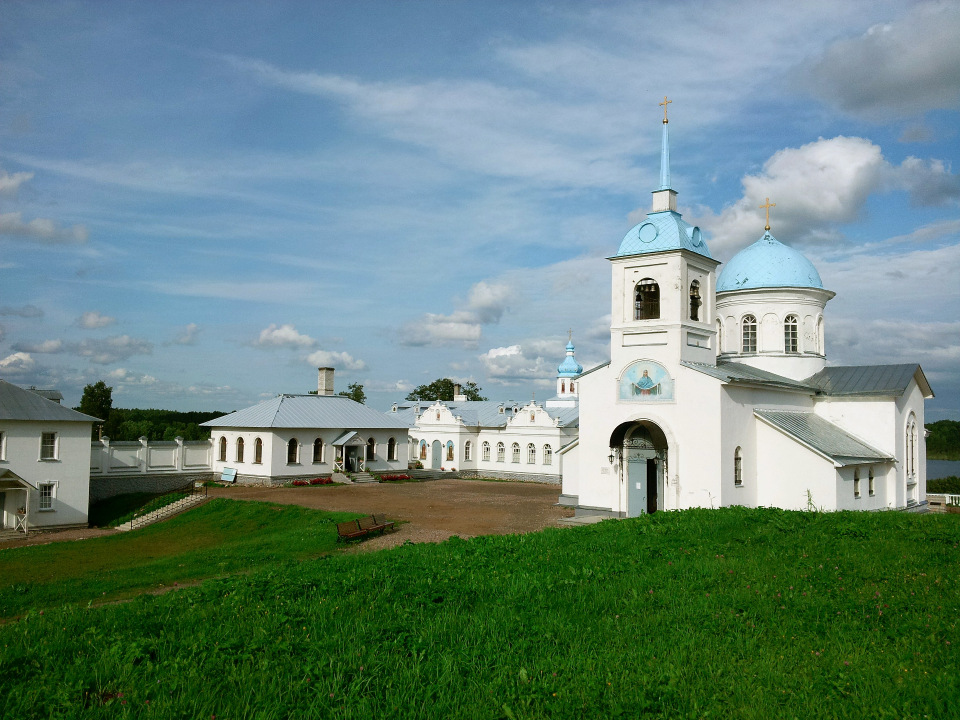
x=720, y=344
x=223, y=449
x=239, y=450
x=856, y=482
x=738, y=467
x=547, y=455
x=571, y=386
x=791, y=342
x=449, y=450
x=485, y=449
x=820, y=347
x=563, y=386
x=318, y=450
x=258, y=451
x=371, y=449
x=911, y=447
x=646, y=300
x=695, y=301
x=531, y=454
x=501, y=452
x=515, y=453
x=293, y=450
x=871, y=487
x=748, y=335
x=467, y=450
x=392, y=449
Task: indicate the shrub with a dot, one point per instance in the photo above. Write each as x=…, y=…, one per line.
x=944, y=485
x=321, y=481
x=396, y=477
x=300, y=483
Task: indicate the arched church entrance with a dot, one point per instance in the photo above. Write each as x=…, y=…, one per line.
x=436, y=454
x=642, y=449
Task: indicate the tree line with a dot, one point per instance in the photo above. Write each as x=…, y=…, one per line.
x=943, y=443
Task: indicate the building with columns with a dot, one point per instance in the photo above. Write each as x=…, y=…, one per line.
x=718, y=391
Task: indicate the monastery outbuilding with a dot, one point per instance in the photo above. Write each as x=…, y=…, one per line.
x=718, y=390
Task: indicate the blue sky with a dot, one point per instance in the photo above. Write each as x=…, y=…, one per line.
x=201, y=202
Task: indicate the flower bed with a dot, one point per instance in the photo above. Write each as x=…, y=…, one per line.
x=314, y=481
x=394, y=478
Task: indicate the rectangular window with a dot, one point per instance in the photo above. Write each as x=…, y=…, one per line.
x=48, y=446
x=856, y=483
x=46, y=495
x=3, y=446
x=871, y=486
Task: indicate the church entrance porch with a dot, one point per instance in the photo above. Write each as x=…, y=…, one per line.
x=642, y=449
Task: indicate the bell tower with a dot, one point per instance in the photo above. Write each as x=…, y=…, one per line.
x=662, y=296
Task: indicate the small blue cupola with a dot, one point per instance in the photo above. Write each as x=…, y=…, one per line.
x=567, y=373
x=664, y=229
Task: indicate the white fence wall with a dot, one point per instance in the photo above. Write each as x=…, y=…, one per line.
x=149, y=458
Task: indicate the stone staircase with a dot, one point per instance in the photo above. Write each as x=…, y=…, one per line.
x=163, y=513
x=428, y=474
x=362, y=477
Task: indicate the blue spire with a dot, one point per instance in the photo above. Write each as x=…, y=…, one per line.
x=665, y=159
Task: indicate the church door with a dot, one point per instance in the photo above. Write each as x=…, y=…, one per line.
x=640, y=494
x=651, y=485
x=436, y=454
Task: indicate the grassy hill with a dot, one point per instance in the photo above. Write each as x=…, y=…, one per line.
x=726, y=613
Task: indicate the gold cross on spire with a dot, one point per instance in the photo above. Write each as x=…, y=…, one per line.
x=570, y=334
x=767, y=207
x=664, y=104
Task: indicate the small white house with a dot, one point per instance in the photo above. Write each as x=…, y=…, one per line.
x=293, y=437
x=44, y=461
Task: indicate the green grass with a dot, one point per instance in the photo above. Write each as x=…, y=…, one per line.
x=107, y=512
x=216, y=538
x=703, y=614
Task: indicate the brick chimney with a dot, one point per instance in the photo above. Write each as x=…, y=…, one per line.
x=325, y=381
x=458, y=396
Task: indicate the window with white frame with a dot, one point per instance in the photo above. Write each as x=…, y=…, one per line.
x=240, y=450
x=515, y=452
x=646, y=300
x=467, y=450
x=48, y=491
x=48, y=446
x=738, y=467
x=871, y=487
x=318, y=450
x=258, y=451
x=856, y=483
x=293, y=451
x=371, y=449
x=485, y=450
x=501, y=452
x=392, y=449
x=531, y=454
x=791, y=339
x=748, y=334
x=695, y=301
x=3, y=446
x=223, y=449
x=547, y=455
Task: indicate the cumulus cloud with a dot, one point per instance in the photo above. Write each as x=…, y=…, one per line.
x=821, y=184
x=92, y=320
x=485, y=305
x=24, y=311
x=533, y=360
x=899, y=69
x=187, y=336
x=102, y=351
x=51, y=347
x=10, y=184
x=283, y=336
x=338, y=360
x=17, y=364
x=41, y=230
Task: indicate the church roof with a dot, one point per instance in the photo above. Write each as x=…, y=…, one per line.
x=569, y=367
x=733, y=372
x=768, y=263
x=662, y=231
x=823, y=436
x=486, y=413
x=306, y=411
x=19, y=404
x=884, y=380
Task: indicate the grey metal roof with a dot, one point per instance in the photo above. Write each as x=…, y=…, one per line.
x=19, y=404
x=54, y=395
x=484, y=413
x=869, y=380
x=733, y=372
x=594, y=369
x=307, y=411
x=823, y=436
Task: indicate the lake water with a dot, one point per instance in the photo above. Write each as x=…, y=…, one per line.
x=942, y=468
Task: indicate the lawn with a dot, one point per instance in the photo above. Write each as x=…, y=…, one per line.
x=217, y=538
x=728, y=613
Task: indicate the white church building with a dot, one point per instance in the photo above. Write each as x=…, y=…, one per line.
x=718, y=392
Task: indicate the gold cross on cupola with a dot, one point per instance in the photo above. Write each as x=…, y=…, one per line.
x=664, y=106
x=767, y=208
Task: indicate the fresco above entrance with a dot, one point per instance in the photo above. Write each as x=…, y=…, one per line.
x=646, y=381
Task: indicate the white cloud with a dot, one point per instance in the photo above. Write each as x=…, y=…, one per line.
x=92, y=320
x=44, y=347
x=187, y=336
x=283, y=336
x=818, y=185
x=24, y=311
x=899, y=69
x=338, y=360
x=488, y=301
x=42, y=230
x=10, y=184
x=112, y=349
x=533, y=360
x=17, y=364
x=486, y=304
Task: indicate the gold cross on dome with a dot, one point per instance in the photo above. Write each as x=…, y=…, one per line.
x=664, y=104
x=570, y=334
x=767, y=207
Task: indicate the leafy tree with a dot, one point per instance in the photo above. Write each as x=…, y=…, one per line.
x=355, y=392
x=97, y=400
x=944, y=440
x=442, y=389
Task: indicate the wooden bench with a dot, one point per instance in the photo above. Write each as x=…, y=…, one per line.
x=363, y=526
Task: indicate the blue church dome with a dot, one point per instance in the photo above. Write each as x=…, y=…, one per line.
x=768, y=263
x=663, y=231
x=569, y=367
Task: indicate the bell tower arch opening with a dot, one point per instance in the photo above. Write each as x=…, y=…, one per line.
x=641, y=447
